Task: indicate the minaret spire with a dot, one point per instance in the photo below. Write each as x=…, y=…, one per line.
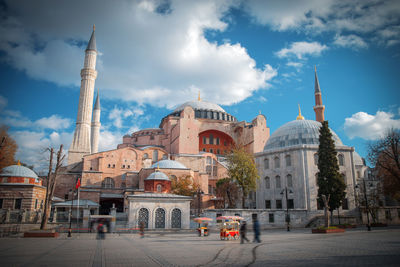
x=198, y=98
x=319, y=108
x=299, y=117
x=95, y=130
x=81, y=143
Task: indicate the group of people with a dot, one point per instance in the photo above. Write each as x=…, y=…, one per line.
x=256, y=229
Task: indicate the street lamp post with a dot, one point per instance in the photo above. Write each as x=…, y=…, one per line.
x=287, y=219
x=70, y=215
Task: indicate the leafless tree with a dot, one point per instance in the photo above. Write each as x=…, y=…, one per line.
x=51, y=183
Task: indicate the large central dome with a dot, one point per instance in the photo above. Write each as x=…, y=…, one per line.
x=298, y=132
x=200, y=105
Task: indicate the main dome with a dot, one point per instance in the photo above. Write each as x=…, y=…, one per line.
x=18, y=171
x=200, y=105
x=168, y=164
x=297, y=132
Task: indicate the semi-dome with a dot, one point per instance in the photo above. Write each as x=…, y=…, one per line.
x=168, y=164
x=157, y=176
x=357, y=159
x=200, y=105
x=298, y=132
x=18, y=171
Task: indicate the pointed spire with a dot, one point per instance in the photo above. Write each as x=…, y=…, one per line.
x=317, y=89
x=92, y=42
x=97, y=103
x=198, y=98
x=300, y=117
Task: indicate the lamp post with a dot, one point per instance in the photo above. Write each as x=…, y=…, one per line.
x=199, y=192
x=70, y=215
x=287, y=218
x=366, y=204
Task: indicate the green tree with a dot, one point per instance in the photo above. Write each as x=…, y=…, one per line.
x=242, y=169
x=330, y=182
x=8, y=148
x=184, y=186
x=227, y=189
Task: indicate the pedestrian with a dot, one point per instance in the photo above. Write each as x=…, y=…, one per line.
x=100, y=230
x=141, y=229
x=243, y=230
x=256, y=228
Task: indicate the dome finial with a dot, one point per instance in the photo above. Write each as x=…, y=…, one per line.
x=19, y=163
x=300, y=117
x=198, y=98
x=94, y=27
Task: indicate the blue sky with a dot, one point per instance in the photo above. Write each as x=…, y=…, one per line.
x=248, y=56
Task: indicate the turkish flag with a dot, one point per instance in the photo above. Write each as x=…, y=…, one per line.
x=78, y=183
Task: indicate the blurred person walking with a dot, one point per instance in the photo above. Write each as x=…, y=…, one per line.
x=243, y=229
x=141, y=229
x=256, y=229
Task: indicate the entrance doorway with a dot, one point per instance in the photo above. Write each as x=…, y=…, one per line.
x=107, y=203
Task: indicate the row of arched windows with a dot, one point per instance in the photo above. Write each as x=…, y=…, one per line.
x=159, y=218
x=340, y=159
x=278, y=182
x=277, y=162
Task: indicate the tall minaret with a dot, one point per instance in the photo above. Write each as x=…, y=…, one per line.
x=96, y=125
x=318, y=108
x=81, y=143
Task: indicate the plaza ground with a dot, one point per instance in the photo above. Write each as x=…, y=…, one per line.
x=380, y=247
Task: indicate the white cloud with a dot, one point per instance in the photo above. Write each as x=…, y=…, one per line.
x=53, y=122
x=370, y=127
x=314, y=16
x=146, y=55
x=351, y=41
x=302, y=49
x=3, y=102
x=109, y=140
x=32, y=146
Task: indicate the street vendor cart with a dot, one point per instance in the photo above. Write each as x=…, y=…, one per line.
x=229, y=227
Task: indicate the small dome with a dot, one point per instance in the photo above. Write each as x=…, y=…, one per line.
x=358, y=161
x=168, y=164
x=157, y=176
x=18, y=171
x=296, y=133
x=200, y=105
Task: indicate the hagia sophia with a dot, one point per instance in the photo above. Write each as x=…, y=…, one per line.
x=134, y=179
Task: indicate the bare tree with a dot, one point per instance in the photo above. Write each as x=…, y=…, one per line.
x=51, y=184
x=385, y=156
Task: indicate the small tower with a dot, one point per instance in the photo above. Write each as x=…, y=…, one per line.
x=96, y=125
x=318, y=108
x=81, y=144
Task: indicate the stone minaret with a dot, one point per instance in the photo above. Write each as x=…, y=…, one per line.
x=96, y=125
x=318, y=108
x=81, y=143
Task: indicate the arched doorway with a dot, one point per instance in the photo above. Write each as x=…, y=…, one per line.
x=176, y=218
x=160, y=218
x=144, y=217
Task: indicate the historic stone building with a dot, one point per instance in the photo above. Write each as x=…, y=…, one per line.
x=190, y=141
x=288, y=165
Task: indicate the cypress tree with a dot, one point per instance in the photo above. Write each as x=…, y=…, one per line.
x=330, y=181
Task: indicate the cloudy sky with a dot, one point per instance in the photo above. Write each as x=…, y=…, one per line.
x=248, y=56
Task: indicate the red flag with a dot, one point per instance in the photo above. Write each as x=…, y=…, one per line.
x=78, y=183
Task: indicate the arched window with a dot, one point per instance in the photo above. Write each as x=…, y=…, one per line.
x=278, y=181
x=176, y=218
x=144, y=217
x=288, y=161
x=267, y=182
x=160, y=218
x=159, y=188
x=164, y=156
x=341, y=160
x=289, y=180
x=108, y=183
x=266, y=163
x=277, y=163
x=145, y=156
x=316, y=158
x=155, y=155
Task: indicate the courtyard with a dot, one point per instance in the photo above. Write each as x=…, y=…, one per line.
x=380, y=247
